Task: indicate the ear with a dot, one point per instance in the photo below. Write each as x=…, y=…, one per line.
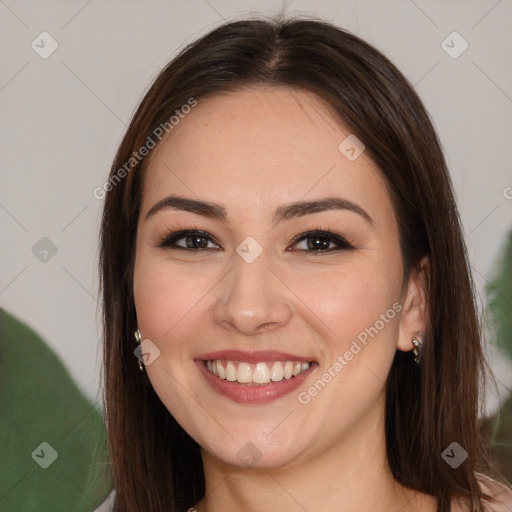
x=414, y=315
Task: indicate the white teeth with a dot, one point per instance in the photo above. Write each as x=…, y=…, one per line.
x=244, y=373
x=230, y=372
x=276, y=372
x=288, y=370
x=259, y=373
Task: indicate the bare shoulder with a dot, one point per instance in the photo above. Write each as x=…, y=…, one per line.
x=501, y=493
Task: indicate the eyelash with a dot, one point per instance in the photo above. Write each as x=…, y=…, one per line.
x=169, y=240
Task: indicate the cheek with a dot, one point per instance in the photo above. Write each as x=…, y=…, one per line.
x=350, y=299
x=162, y=297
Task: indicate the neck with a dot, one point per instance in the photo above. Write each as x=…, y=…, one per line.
x=352, y=474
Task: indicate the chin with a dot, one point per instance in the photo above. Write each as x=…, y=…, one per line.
x=256, y=452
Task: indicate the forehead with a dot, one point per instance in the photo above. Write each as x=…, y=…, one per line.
x=261, y=146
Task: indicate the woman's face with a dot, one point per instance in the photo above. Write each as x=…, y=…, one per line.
x=258, y=296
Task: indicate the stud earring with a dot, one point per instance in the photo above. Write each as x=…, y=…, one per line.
x=417, y=341
x=137, y=339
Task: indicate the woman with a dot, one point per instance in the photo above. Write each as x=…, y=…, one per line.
x=282, y=251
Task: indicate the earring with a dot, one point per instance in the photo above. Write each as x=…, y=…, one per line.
x=417, y=341
x=137, y=339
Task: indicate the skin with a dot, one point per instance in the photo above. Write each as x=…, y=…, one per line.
x=252, y=151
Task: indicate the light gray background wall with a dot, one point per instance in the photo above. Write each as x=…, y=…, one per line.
x=62, y=118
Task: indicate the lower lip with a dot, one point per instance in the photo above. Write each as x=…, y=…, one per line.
x=255, y=394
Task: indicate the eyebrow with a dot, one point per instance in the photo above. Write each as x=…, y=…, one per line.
x=285, y=212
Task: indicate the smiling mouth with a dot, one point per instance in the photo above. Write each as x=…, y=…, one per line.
x=256, y=374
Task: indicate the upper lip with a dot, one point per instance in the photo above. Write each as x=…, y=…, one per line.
x=259, y=356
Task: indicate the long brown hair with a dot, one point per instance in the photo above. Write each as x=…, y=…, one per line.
x=156, y=465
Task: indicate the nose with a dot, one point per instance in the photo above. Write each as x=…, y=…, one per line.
x=252, y=299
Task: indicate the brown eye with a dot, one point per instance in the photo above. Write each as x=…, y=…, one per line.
x=317, y=241
x=320, y=241
x=194, y=239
